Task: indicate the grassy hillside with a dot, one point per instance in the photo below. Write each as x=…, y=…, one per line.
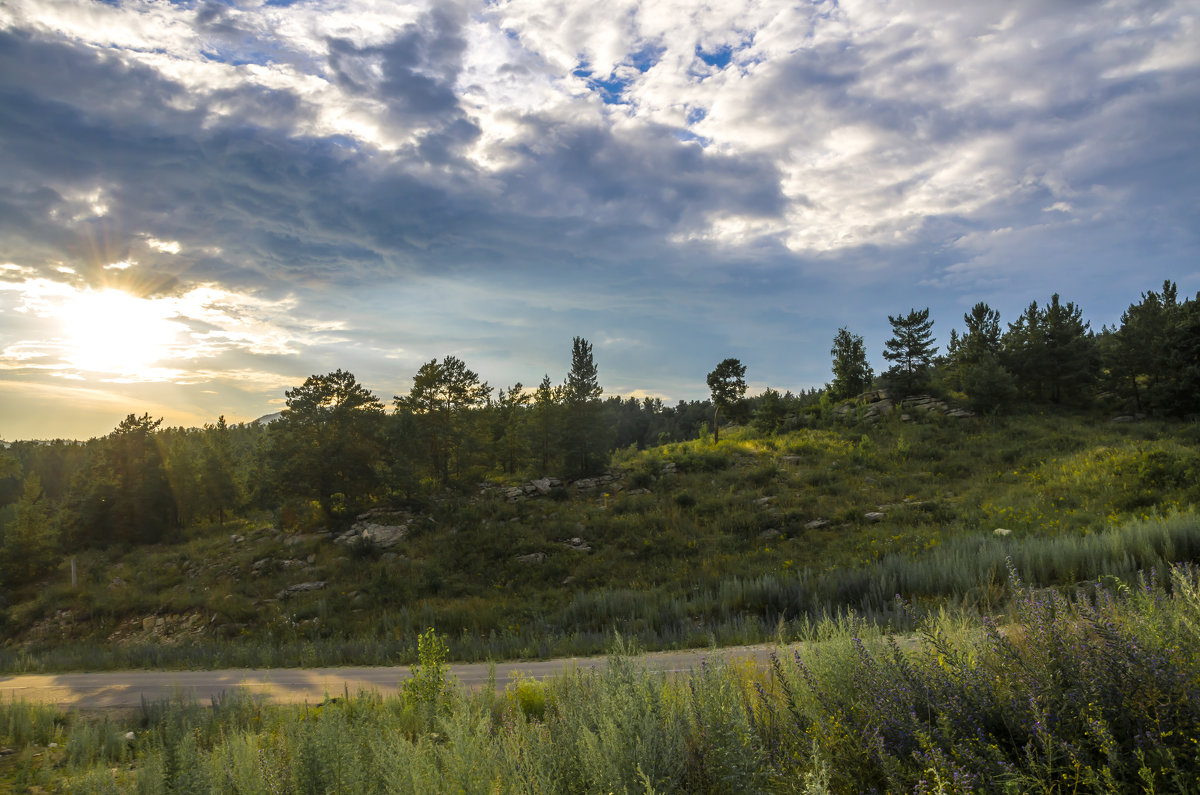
x=691, y=543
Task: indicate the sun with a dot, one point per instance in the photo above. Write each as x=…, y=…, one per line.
x=110, y=331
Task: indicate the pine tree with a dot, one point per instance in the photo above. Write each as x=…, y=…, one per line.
x=582, y=432
x=31, y=541
x=727, y=383
x=911, y=348
x=545, y=406
x=511, y=409
x=442, y=397
x=327, y=444
x=852, y=375
x=1138, y=353
x=973, y=361
x=1051, y=352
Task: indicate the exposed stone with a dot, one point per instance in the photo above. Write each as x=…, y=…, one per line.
x=577, y=544
x=874, y=516
x=544, y=485
x=148, y=624
x=533, y=557
x=1002, y=531
x=236, y=539
x=770, y=535
x=764, y=501
x=381, y=535
x=871, y=406
x=300, y=587
x=816, y=524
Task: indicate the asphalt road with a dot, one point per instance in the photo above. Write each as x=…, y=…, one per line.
x=124, y=689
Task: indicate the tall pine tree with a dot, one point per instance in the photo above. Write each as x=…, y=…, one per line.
x=583, y=431
x=852, y=375
x=911, y=348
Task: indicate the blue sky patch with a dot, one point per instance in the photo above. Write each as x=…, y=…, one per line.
x=719, y=57
x=610, y=89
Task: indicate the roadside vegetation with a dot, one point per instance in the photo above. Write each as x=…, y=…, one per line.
x=1092, y=692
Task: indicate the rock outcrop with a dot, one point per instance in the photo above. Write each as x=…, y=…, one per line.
x=870, y=406
x=609, y=482
x=378, y=533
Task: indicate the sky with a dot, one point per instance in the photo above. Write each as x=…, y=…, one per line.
x=203, y=203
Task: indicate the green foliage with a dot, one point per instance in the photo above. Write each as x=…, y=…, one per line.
x=427, y=686
x=1151, y=359
x=327, y=441
x=1051, y=353
x=583, y=434
x=989, y=387
x=770, y=414
x=442, y=398
x=1090, y=692
x=852, y=374
x=124, y=494
x=911, y=348
x=529, y=696
x=727, y=383
x=30, y=545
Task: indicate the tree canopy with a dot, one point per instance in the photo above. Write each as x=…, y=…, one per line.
x=727, y=383
x=911, y=348
x=852, y=375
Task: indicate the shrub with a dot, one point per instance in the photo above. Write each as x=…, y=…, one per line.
x=427, y=685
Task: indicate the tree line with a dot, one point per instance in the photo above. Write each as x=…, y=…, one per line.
x=1049, y=354
x=338, y=448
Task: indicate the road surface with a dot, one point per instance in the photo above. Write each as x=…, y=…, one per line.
x=124, y=689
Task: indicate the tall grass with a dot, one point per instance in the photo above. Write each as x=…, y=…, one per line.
x=964, y=572
x=1088, y=693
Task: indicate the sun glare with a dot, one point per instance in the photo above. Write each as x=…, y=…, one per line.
x=114, y=332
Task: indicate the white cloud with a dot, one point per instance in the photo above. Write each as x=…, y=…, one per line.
x=341, y=179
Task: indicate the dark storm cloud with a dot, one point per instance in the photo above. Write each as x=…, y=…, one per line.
x=648, y=180
x=300, y=209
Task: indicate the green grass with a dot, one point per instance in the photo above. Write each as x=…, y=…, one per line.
x=718, y=550
x=1093, y=692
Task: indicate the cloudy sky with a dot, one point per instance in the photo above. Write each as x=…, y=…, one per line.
x=203, y=203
